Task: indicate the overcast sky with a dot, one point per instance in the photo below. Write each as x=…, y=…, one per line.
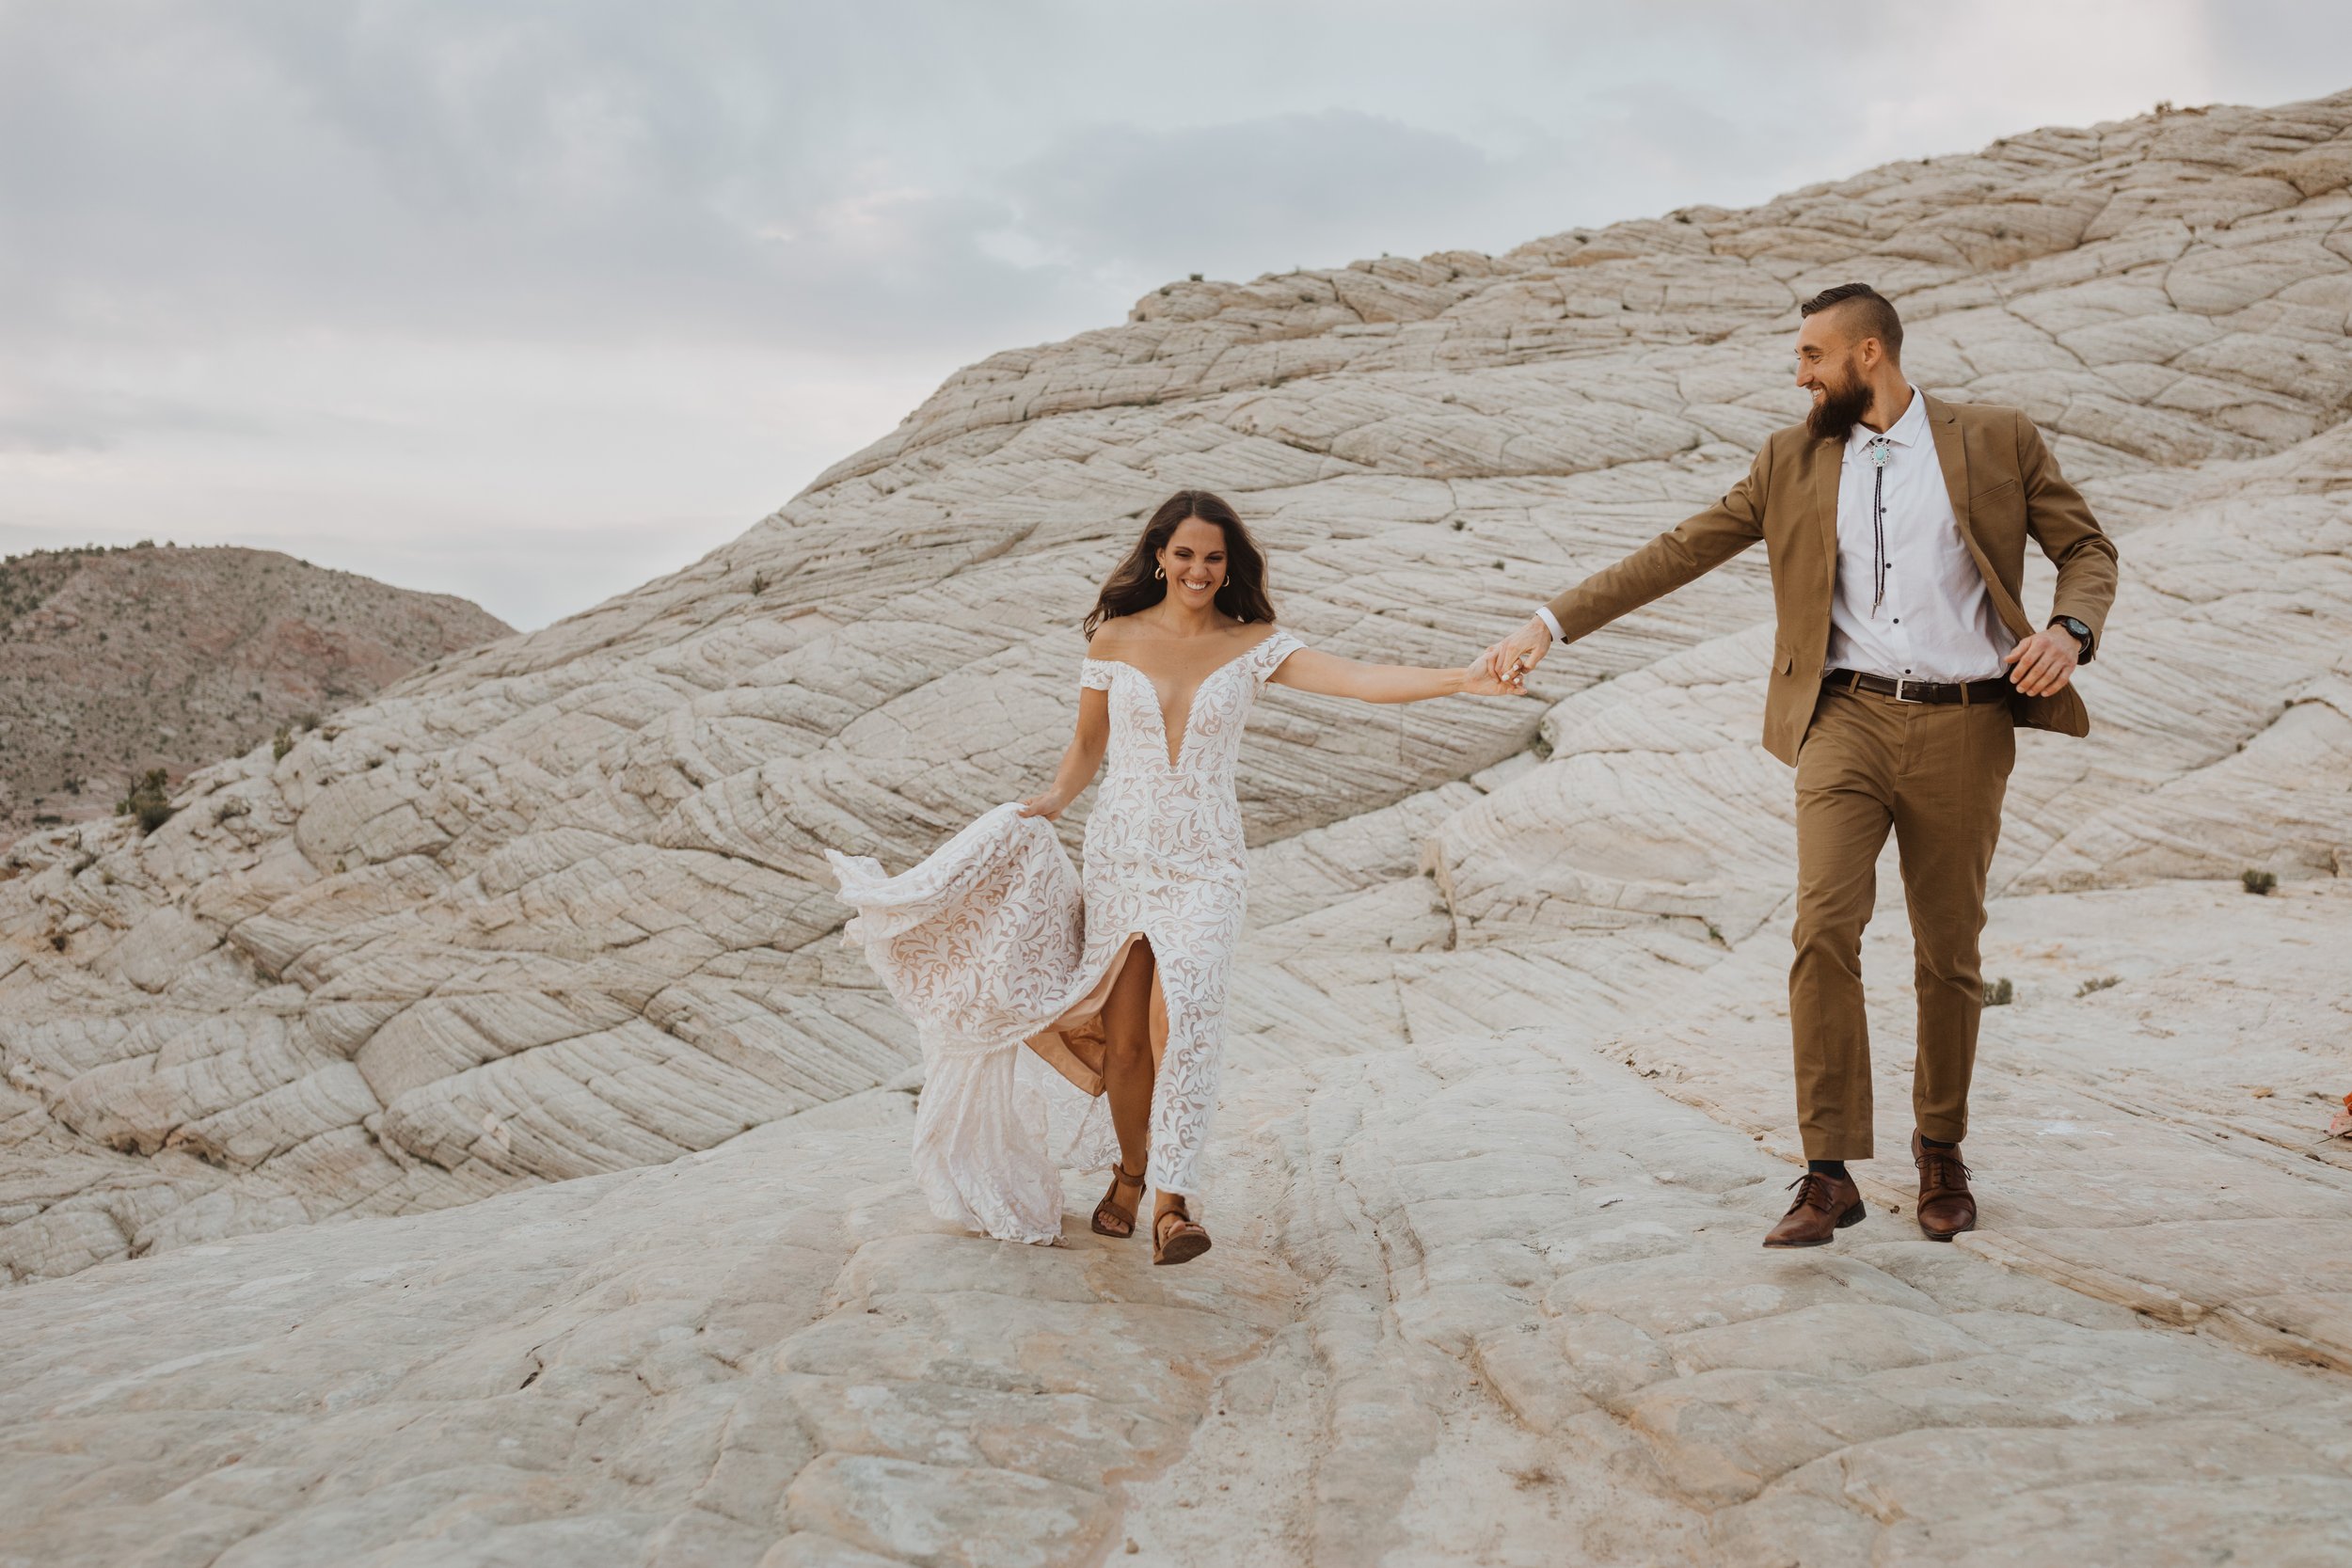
x=534, y=301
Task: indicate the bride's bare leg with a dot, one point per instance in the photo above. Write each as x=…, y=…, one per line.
x=1127, y=1079
x=1127, y=1083
x=1127, y=1054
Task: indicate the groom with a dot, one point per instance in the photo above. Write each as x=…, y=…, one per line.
x=1897, y=525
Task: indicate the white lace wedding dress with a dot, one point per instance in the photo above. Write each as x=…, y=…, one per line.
x=1004, y=956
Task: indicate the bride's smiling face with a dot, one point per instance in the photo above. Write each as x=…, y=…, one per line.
x=1193, y=560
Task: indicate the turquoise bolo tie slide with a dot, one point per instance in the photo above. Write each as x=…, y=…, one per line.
x=1880, y=454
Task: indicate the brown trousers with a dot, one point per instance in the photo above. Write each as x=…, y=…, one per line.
x=1936, y=776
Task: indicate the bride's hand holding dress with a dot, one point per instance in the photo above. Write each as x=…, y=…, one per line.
x=1081, y=761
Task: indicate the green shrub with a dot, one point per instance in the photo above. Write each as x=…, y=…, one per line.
x=2000, y=993
x=282, y=743
x=149, y=800
x=2104, y=982
x=2259, y=883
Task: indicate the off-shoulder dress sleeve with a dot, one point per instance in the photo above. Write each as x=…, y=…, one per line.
x=1268, y=657
x=1094, y=674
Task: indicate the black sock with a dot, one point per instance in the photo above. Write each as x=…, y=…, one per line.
x=1827, y=1168
x=1925, y=1142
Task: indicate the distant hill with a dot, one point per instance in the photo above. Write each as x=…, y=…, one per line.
x=115, y=661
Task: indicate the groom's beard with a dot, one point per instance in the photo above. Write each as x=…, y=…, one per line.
x=1839, y=410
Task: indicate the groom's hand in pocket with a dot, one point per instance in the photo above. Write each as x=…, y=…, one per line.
x=2043, y=662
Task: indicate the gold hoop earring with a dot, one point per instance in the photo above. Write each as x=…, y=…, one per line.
x=1158, y=572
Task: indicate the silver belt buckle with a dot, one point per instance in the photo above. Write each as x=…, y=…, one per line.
x=1900, y=682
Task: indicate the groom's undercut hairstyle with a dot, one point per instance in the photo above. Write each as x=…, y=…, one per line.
x=1874, y=316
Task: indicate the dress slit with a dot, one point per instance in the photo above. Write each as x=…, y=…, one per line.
x=1075, y=1044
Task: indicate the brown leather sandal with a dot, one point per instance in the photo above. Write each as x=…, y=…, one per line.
x=1109, y=1218
x=1175, y=1237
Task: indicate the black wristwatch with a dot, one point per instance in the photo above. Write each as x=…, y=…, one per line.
x=2078, y=632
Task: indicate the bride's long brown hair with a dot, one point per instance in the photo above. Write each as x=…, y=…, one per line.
x=1132, y=585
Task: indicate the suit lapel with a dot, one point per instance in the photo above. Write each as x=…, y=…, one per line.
x=1829, y=459
x=1951, y=455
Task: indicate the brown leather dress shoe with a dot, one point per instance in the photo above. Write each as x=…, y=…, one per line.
x=1947, y=1206
x=1825, y=1205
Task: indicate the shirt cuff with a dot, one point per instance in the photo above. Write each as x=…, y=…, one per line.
x=1552, y=622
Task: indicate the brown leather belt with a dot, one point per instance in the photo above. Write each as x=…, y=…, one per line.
x=1906, y=690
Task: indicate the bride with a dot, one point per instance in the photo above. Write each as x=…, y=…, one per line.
x=1044, y=998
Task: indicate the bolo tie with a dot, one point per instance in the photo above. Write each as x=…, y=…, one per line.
x=1881, y=454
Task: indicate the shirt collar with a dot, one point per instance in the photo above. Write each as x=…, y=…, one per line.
x=1906, y=432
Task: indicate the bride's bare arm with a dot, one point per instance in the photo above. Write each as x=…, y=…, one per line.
x=1079, y=763
x=1329, y=675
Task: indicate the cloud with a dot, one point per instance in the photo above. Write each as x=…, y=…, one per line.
x=1234, y=196
x=470, y=271
x=537, y=176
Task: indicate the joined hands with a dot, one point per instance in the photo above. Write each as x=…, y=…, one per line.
x=1479, y=680
x=1508, y=661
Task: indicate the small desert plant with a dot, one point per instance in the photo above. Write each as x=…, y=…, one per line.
x=310, y=721
x=149, y=800
x=759, y=583
x=2104, y=982
x=2259, y=883
x=2000, y=993
x=282, y=743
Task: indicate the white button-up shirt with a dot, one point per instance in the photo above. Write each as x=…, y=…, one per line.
x=1935, y=621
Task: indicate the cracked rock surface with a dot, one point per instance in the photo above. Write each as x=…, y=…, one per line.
x=524, y=975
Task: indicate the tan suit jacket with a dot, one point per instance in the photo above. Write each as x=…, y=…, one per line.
x=2005, y=487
